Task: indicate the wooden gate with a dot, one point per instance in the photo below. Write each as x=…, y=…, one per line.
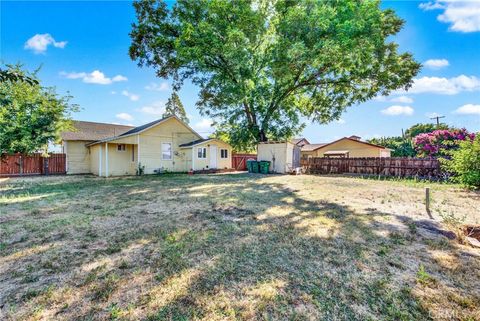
x=35, y=164
x=239, y=161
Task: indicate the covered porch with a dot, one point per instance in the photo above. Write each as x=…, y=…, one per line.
x=114, y=158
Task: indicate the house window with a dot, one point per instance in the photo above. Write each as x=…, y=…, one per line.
x=121, y=147
x=166, y=151
x=223, y=153
x=202, y=152
x=133, y=153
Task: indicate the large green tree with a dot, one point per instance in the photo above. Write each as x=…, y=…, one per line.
x=175, y=107
x=31, y=116
x=263, y=67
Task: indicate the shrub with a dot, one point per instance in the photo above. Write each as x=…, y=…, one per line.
x=440, y=142
x=464, y=163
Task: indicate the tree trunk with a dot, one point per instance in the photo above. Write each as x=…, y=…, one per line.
x=261, y=136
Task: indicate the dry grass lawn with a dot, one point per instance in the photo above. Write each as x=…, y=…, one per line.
x=233, y=247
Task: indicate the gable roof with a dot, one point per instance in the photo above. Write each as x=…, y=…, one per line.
x=140, y=129
x=195, y=142
x=92, y=131
x=350, y=139
x=298, y=140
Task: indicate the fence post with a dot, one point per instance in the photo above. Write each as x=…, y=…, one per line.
x=20, y=165
x=45, y=165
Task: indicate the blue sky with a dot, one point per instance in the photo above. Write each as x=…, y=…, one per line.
x=83, y=49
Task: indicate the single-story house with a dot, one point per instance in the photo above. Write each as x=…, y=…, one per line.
x=345, y=147
x=166, y=144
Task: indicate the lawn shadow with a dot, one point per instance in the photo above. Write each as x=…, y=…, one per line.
x=236, y=247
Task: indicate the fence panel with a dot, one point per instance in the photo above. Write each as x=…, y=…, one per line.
x=239, y=161
x=35, y=164
x=394, y=166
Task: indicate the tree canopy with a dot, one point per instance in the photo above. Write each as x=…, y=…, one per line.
x=175, y=107
x=31, y=116
x=264, y=67
x=420, y=128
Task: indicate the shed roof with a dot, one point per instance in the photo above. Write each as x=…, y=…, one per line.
x=92, y=131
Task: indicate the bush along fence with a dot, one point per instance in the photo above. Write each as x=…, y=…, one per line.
x=381, y=166
x=35, y=164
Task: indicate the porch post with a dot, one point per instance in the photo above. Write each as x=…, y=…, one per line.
x=100, y=161
x=193, y=158
x=106, y=159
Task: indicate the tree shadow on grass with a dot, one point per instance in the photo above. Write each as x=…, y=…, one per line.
x=242, y=248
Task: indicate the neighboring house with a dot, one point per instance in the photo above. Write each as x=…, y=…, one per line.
x=167, y=144
x=345, y=147
x=300, y=141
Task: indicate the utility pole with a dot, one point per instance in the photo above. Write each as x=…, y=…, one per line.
x=438, y=119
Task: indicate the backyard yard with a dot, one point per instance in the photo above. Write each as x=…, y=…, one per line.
x=234, y=247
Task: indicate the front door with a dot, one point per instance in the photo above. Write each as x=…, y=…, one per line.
x=213, y=156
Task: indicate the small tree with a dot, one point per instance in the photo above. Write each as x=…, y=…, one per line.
x=174, y=107
x=420, y=128
x=440, y=142
x=31, y=116
x=401, y=147
x=464, y=163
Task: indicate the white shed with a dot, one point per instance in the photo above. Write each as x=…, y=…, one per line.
x=284, y=157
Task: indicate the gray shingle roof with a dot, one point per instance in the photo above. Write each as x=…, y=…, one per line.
x=195, y=142
x=91, y=131
x=140, y=128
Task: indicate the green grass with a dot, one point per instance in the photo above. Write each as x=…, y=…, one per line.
x=230, y=247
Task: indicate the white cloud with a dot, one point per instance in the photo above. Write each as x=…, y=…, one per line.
x=436, y=63
x=40, y=42
x=463, y=16
x=468, y=109
x=433, y=115
x=124, y=116
x=164, y=86
x=204, y=125
x=131, y=96
x=156, y=108
x=341, y=121
x=399, y=99
x=402, y=99
x=95, y=77
x=119, y=78
x=398, y=110
x=443, y=86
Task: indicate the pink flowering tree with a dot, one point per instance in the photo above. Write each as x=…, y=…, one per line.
x=440, y=142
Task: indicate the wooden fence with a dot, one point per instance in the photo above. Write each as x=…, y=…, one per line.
x=383, y=166
x=239, y=161
x=35, y=164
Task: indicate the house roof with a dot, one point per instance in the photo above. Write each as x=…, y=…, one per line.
x=92, y=131
x=298, y=140
x=142, y=128
x=312, y=147
x=196, y=142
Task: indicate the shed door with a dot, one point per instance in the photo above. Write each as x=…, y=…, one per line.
x=213, y=156
x=296, y=157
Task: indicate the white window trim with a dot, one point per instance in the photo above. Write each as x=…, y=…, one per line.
x=122, y=150
x=171, y=152
x=203, y=149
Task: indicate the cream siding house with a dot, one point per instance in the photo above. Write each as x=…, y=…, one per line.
x=345, y=147
x=163, y=145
